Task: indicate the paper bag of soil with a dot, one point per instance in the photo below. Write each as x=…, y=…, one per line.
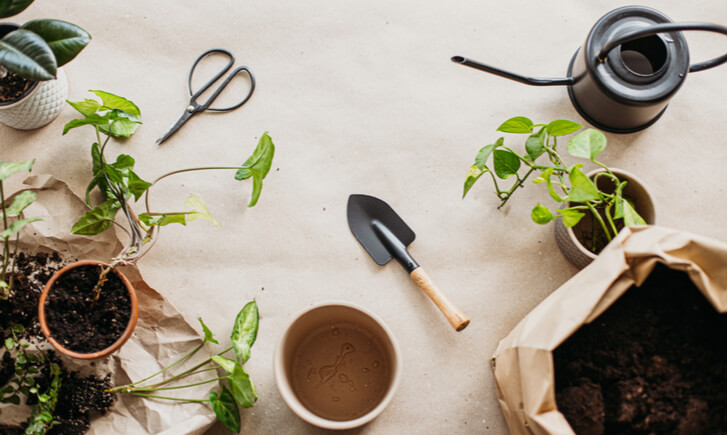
x=523, y=363
x=161, y=336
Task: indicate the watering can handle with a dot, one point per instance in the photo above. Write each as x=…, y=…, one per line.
x=662, y=28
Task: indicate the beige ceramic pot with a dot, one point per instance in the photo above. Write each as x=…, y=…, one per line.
x=37, y=107
x=104, y=352
x=316, y=382
x=566, y=238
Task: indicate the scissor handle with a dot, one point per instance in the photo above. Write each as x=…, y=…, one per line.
x=217, y=76
x=232, y=75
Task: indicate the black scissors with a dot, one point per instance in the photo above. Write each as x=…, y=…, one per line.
x=194, y=107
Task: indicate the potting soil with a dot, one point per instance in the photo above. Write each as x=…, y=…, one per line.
x=80, y=397
x=654, y=362
x=80, y=323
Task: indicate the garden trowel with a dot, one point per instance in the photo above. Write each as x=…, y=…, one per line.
x=385, y=236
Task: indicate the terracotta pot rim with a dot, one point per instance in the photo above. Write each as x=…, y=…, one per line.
x=104, y=352
x=622, y=174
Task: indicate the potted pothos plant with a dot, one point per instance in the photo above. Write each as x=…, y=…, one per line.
x=78, y=302
x=593, y=206
x=33, y=87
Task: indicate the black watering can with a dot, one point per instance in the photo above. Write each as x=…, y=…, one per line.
x=633, y=61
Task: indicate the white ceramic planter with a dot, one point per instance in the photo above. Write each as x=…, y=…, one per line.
x=566, y=239
x=39, y=107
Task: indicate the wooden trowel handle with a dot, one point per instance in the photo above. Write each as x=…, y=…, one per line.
x=457, y=319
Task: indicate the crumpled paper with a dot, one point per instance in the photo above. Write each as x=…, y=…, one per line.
x=523, y=364
x=161, y=335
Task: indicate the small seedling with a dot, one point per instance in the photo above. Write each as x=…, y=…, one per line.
x=118, y=117
x=239, y=390
x=568, y=185
x=12, y=222
x=28, y=367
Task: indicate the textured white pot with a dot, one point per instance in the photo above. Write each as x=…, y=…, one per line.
x=39, y=107
x=566, y=239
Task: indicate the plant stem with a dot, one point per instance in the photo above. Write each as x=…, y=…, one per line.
x=608, y=213
x=183, y=358
x=6, y=247
x=178, y=387
x=186, y=372
x=154, y=396
x=601, y=221
x=518, y=184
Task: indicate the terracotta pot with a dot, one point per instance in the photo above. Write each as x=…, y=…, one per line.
x=570, y=245
x=40, y=105
x=104, y=352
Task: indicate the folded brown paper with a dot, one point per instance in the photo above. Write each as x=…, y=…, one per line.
x=523, y=364
x=161, y=335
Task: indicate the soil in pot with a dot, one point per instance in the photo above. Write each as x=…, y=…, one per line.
x=654, y=362
x=13, y=87
x=80, y=322
x=80, y=398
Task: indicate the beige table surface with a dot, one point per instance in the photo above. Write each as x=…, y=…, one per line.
x=360, y=97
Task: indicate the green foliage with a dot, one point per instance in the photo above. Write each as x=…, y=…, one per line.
x=39, y=47
x=12, y=222
x=236, y=388
x=225, y=409
x=257, y=166
x=116, y=116
x=565, y=184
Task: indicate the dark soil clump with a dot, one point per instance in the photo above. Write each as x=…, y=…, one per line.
x=80, y=398
x=13, y=87
x=654, y=362
x=79, y=322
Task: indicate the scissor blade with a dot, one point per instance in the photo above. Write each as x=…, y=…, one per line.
x=173, y=129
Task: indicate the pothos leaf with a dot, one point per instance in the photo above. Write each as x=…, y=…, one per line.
x=245, y=331
x=473, y=175
x=582, y=188
x=541, y=215
x=225, y=409
x=570, y=217
x=208, y=335
x=518, y=124
x=535, y=145
x=587, y=144
x=505, y=163
x=562, y=127
x=631, y=217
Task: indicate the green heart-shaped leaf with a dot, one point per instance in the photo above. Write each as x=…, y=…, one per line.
x=505, y=163
x=541, y=215
x=587, y=144
x=562, y=127
x=518, y=124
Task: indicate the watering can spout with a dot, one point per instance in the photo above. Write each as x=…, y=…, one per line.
x=533, y=81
